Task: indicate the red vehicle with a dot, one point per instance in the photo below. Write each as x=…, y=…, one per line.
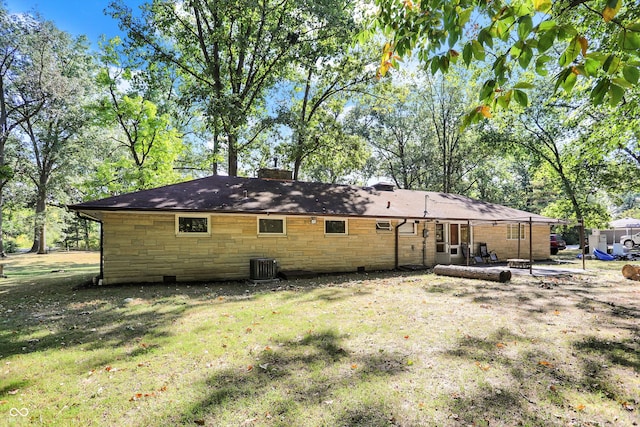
x=557, y=244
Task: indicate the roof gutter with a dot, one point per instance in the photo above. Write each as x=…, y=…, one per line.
x=397, y=230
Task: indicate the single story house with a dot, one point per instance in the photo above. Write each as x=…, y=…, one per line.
x=223, y=227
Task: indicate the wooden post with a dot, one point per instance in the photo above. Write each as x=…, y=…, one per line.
x=530, y=245
x=581, y=222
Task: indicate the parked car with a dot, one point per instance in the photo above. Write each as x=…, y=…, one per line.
x=557, y=244
x=630, y=240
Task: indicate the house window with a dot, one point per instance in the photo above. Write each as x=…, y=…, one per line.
x=192, y=225
x=335, y=226
x=408, y=228
x=272, y=226
x=515, y=231
x=382, y=225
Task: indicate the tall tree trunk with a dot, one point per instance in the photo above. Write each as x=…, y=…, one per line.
x=233, y=154
x=39, y=242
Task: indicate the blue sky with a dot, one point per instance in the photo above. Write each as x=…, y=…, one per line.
x=74, y=16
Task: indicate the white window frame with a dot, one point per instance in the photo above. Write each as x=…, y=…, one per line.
x=192, y=234
x=414, y=228
x=274, y=218
x=512, y=233
x=346, y=226
x=383, y=225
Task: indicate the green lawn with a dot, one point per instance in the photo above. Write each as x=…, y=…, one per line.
x=377, y=349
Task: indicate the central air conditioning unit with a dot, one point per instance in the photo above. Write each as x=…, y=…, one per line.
x=263, y=268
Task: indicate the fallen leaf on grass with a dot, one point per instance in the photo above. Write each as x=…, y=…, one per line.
x=545, y=363
x=500, y=345
x=484, y=368
x=249, y=368
x=556, y=313
x=249, y=330
x=580, y=407
x=3, y=402
x=628, y=406
x=354, y=366
x=267, y=348
x=406, y=337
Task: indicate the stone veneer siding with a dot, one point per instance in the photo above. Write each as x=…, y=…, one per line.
x=144, y=247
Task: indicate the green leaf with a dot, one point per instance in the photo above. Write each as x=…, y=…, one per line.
x=599, y=91
x=569, y=82
x=525, y=57
x=616, y=93
x=611, y=64
x=487, y=90
x=571, y=52
x=623, y=83
x=631, y=74
x=444, y=63
x=503, y=101
x=546, y=25
x=630, y=40
x=520, y=97
x=546, y=40
x=435, y=65
x=516, y=49
x=525, y=25
x=591, y=67
x=562, y=76
x=467, y=53
x=502, y=30
x=478, y=50
x=541, y=62
x=464, y=15
x=523, y=85
x=485, y=38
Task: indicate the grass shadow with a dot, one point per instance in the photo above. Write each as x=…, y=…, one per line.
x=308, y=372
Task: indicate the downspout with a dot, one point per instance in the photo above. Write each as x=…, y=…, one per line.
x=425, y=233
x=398, y=241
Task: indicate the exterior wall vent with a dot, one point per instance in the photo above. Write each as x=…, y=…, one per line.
x=263, y=268
x=384, y=186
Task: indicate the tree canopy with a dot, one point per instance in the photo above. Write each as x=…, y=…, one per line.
x=597, y=41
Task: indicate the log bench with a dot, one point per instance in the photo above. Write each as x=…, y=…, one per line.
x=518, y=263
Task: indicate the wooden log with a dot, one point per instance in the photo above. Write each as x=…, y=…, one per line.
x=631, y=272
x=490, y=274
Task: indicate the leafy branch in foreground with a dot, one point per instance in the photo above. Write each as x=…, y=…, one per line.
x=595, y=40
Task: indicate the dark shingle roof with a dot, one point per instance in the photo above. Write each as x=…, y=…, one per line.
x=253, y=195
